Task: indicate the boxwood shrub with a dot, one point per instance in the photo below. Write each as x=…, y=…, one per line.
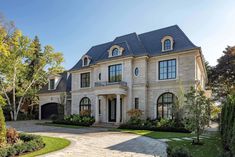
x=30, y=143
x=76, y=119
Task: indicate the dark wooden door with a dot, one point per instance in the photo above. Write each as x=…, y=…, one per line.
x=112, y=110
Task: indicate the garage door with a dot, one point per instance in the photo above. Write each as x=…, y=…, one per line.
x=49, y=110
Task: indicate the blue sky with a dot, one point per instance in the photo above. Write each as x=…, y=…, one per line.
x=73, y=26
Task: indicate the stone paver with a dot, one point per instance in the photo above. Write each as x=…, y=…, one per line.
x=176, y=139
x=164, y=140
x=187, y=138
x=96, y=142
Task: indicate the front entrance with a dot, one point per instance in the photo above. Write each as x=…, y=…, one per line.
x=112, y=110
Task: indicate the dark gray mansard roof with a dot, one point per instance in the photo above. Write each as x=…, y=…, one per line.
x=64, y=84
x=138, y=45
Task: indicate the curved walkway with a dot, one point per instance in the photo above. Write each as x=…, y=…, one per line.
x=96, y=142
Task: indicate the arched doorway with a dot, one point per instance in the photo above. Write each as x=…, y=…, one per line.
x=165, y=104
x=49, y=110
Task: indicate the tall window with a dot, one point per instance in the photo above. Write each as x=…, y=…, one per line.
x=136, y=103
x=85, y=61
x=164, y=105
x=99, y=107
x=85, y=104
x=167, y=69
x=52, y=84
x=115, y=73
x=167, y=44
x=85, y=80
x=115, y=52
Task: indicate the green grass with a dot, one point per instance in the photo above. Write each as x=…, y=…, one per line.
x=157, y=134
x=211, y=147
x=52, y=144
x=60, y=125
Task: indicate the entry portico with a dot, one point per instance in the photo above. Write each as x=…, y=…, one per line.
x=114, y=102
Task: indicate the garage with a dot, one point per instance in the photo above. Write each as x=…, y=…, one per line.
x=49, y=110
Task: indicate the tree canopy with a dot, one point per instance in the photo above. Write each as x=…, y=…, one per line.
x=23, y=65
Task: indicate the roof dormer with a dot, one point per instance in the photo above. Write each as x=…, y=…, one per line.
x=167, y=43
x=115, y=51
x=53, y=81
x=86, y=60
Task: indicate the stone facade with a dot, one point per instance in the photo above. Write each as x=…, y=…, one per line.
x=139, y=85
x=146, y=86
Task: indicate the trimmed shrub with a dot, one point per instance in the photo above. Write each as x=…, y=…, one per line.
x=2, y=128
x=29, y=143
x=155, y=125
x=76, y=119
x=12, y=135
x=178, y=152
x=227, y=126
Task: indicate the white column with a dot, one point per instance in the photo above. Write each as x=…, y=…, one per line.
x=118, y=109
x=97, y=109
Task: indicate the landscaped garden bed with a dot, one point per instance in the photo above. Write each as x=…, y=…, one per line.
x=75, y=119
x=23, y=143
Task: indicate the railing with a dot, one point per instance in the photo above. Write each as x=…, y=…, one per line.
x=106, y=83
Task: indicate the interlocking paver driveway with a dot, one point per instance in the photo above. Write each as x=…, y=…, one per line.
x=96, y=142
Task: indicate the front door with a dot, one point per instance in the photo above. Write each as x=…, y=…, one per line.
x=112, y=110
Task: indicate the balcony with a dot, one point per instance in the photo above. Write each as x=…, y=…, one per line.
x=105, y=88
x=106, y=83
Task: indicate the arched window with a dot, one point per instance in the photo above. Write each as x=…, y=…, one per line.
x=85, y=104
x=167, y=44
x=85, y=61
x=164, y=105
x=115, y=52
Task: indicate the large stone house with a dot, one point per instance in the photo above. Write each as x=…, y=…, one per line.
x=145, y=71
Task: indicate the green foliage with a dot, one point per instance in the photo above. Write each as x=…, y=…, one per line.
x=2, y=128
x=227, y=126
x=198, y=115
x=24, y=67
x=76, y=119
x=29, y=143
x=178, y=152
x=222, y=76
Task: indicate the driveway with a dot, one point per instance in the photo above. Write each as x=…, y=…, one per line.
x=96, y=142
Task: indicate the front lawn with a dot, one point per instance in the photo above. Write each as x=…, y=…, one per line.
x=51, y=144
x=157, y=134
x=60, y=125
x=211, y=148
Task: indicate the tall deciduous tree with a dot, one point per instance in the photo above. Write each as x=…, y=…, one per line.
x=197, y=107
x=222, y=76
x=21, y=68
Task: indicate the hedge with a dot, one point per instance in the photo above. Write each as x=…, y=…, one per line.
x=76, y=120
x=153, y=128
x=227, y=126
x=30, y=143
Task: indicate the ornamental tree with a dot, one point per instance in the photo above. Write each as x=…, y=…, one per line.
x=198, y=115
x=21, y=69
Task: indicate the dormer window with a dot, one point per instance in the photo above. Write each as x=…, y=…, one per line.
x=167, y=43
x=51, y=84
x=86, y=60
x=115, y=51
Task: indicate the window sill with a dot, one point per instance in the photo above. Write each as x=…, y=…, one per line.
x=175, y=79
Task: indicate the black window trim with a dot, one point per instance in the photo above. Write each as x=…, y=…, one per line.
x=167, y=69
x=81, y=82
x=115, y=73
x=50, y=84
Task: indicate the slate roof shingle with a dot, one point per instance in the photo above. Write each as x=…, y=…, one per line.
x=148, y=43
